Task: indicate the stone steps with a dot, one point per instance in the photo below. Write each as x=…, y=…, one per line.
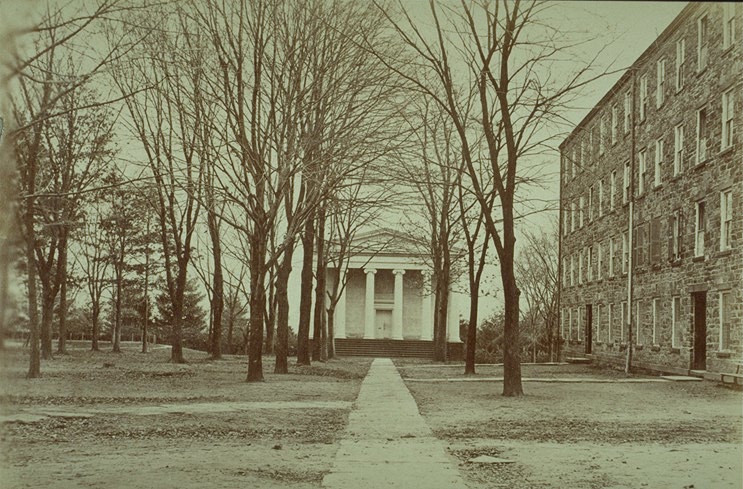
x=383, y=348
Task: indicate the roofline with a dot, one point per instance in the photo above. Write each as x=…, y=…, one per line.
x=682, y=16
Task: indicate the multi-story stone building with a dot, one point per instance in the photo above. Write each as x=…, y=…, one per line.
x=651, y=228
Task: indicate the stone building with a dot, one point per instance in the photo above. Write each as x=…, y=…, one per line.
x=652, y=205
x=386, y=308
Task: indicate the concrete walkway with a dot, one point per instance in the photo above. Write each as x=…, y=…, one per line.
x=387, y=442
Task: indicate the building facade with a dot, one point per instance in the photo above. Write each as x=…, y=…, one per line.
x=651, y=189
x=388, y=296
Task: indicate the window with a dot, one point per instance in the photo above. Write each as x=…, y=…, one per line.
x=574, y=165
x=676, y=321
x=701, y=135
x=565, y=221
x=610, y=314
x=726, y=219
x=678, y=150
x=612, y=189
x=601, y=198
x=642, y=159
x=655, y=241
x=638, y=322
x=699, y=229
x=565, y=271
x=661, y=79
x=680, y=58
x=589, y=263
x=578, y=317
x=674, y=236
x=625, y=191
x=591, y=148
x=728, y=26
x=625, y=252
x=598, y=322
x=590, y=204
x=602, y=135
x=640, y=254
x=655, y=321
x=580, y=267
x=572, y=216
x=600, y=261
x=614, y=122
x=624, y=318
x=572, y=270
x=725, y=320
x=702, y=42
x=627, y=111
x=658, y=161
x=581, y=207
x=727, y=118
x=581, y=151
x=611, y=256
x=570, y=322
x=643, y=96
x=565, y=313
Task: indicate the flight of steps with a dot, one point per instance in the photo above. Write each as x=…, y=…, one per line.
x=348, y=347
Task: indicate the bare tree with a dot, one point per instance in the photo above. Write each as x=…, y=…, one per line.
x=508, y=58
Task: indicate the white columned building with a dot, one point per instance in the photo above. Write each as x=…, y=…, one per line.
x=388, y=295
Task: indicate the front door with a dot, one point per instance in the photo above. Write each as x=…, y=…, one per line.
x=383, y=324
x=699, y=352
x=589, y=328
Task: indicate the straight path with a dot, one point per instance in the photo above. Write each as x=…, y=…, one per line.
x=387, y=442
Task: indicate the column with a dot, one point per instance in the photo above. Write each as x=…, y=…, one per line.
x=397, y=305
x=370, y=311
x=426, y=308
x=340, y=310
x=452, y=321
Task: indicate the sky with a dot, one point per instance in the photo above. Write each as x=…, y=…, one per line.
x=623, y=29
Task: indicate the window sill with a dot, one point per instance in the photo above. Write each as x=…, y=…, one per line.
x=675, y=262
x=658, y=186
x=723, y=354
x=610, y=345
x=622, y=346
x=698, y=259
x=639, y=347
x=723, y=253
x=655, y=348
x=701, y=164
x=675, y=177
x=700, y=70
x=599, y=343
x=725, y=151
x=675, y=351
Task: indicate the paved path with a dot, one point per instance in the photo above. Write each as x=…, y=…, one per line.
x=387, y=442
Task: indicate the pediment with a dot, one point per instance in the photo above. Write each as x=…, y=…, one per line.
x=388, y=242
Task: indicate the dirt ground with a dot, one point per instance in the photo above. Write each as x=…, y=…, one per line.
x=99, y=433
x=615, y=434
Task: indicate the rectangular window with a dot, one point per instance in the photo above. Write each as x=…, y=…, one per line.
x=602, y=135
x=600, y=261
x=702, y=38
x=612, y=189
x=590, y=204
x=676, y=321
x=591, y=150
x=725, y=320
x=627, y=111
x=678, y=150
x=643, y=96
x=572, y=270
x=580, y=267
x=661, y=79
x=598, y=322
x=581, y=209
x=658, y=161
x=699, y=229
x=578, y=317
x=655, y=321
x=674, y=236
x=601, y=198
x=625, y=189
x=625, y=252
x=565, y=270
x=611, y=256
x=701, y=135
x=728, y=109
x=680, y=58
x=610, y=318
x=572, y=216
x=565, y=221
x=614, y=122
x=640, y=250
x=574, y=165
x=726, y=219
x=638, y=322
x=570, y=322
x=581, y=151
x=655, y=240
x=728, y=26
x=623, y=324
x=589, y=263
x=643, y=168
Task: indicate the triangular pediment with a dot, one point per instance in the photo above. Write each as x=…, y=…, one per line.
x=387, y=242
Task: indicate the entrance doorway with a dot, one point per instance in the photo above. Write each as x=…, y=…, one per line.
x=699, y=351
x=589, y=328
x=383, y=324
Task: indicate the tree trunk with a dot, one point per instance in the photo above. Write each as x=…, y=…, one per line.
x=257, y=305
x=146, y=291
x=469, y=360
x=270, y=319
x=62, y=315
x=4, y=272
x=96, y=328
x=217, y=305
x=331, y=331
x=442, y=305
x=117, y=318
x=305, y=300
x=317, y=339
x=282, y=311
x=176, y=332
x=511, y=344
x=34, y=369
x=47, y=316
